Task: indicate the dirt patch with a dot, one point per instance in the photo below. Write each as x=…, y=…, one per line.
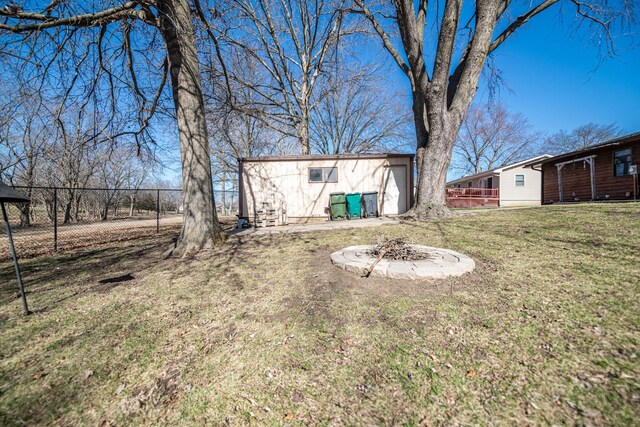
x=333, y=280
x=327, y=289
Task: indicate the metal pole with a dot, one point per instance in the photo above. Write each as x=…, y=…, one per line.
x=15, y=260
x=157, y=211
x=55, y=220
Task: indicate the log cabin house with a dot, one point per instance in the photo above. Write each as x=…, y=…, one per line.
x=602, y=172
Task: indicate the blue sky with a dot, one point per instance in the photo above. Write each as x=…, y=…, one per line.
x=559, y=78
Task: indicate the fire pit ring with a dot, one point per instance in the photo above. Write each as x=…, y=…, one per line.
x=440, y=263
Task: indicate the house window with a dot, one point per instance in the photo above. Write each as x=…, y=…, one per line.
x=519, y=180
x=469, y=184
x=323, y=174
x=621, y=162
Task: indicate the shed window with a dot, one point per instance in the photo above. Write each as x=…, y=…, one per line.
x=519, y=180
x=621, y=162
x=323, y=175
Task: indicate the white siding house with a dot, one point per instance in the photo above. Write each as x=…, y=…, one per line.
x=519, y=184
x=301, y=184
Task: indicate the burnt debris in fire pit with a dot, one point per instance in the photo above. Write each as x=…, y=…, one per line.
x=398, y=250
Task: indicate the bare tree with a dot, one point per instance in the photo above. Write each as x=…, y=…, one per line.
x=356, y=116
x=70, y=160
x=444, y=48
x=46, y=147
x=287, y=45
x=25, y=138
x=113, y=172
x=490, y=137
x=236, y=132
x=138, y=172
x=124, y=36
x=581, y=137
x=117, y=178
x=235, y=135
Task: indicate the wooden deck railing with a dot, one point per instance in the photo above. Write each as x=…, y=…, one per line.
x=471, y=193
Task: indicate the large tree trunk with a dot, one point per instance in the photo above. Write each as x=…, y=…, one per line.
x=305, y=143
x=430, y=193
x=25, y=214
x=304, y=134
x=68, y=209
x=25, y=208
x=76, y=208
x=132, y=202
x=201, y=227
x=421, y=127
x=443, y=128
x=104, y=214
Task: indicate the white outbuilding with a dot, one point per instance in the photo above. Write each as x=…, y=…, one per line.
x=300, y=185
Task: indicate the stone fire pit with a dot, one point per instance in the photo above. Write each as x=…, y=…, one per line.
x=438, y=263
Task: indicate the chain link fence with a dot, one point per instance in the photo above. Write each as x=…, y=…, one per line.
x=61, y=219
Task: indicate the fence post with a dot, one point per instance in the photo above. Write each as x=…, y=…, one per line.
x=158, y=211
x=55, y=220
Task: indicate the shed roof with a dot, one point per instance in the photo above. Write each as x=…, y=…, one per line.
x=311, y=157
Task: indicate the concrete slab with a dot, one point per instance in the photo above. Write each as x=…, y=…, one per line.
x=311, y=227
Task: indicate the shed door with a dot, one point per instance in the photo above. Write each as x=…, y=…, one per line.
x=395, y=190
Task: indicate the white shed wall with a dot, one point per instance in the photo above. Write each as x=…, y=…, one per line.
x=285, y=183
x=529, y=195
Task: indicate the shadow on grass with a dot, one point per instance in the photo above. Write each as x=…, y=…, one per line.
x=67, y=275
x=56, y=279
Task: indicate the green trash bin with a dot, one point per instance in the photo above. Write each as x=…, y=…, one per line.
x=354, y=210
x=337, y=206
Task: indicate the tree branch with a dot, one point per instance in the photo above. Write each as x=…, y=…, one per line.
x=521, y=20
x=383, y=35
x=116, y=13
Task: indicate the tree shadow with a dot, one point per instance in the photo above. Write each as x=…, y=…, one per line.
x=58, y=278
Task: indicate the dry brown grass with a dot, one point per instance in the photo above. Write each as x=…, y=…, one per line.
x=266, y=331
x=38, y=241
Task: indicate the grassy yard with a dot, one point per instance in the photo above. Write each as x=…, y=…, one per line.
x=546, y=330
